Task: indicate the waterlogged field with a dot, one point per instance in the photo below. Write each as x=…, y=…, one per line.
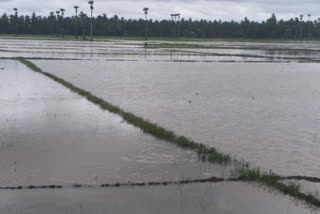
x=267, y=114
x=52, y=136
x=174, y=51
x=195, y=198
x=61, y=153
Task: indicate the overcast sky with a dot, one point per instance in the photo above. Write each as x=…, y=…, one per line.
x=225, y=10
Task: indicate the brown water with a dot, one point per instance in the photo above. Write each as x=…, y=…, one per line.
x=268, y=114
x=49, y=135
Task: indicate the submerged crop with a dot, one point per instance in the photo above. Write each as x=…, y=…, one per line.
x=243, y=170
x=205, y=152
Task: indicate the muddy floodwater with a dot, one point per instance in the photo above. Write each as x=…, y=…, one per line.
x=221, y=198
x=52, y=136
x=268, y=114
x=258, y=102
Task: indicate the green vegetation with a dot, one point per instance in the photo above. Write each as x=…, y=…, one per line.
x=273, y=182
x=242, y=170
x=295, y=28
x=155, y=38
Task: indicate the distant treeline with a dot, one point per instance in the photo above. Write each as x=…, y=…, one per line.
x=295, y=28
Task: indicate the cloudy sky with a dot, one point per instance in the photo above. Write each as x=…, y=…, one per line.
x=160, y=9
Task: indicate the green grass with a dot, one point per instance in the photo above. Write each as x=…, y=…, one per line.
x=242, y=171
x=273, y=182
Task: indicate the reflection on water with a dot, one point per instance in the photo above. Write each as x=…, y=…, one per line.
x=52, y=136
x=268, y=114
x=222, y=198
x=265, y=113
x=125, y=50
x=277, y=54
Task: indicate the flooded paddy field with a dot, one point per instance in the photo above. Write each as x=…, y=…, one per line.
x=129, y=50
x=222, y=198
x=51, y=136
x=277, y=54
x=266, y=113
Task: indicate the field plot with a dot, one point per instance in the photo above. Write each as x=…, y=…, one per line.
x=61, y=153
x=221, y=198
x=268, y=114
x=174, y=51
x=51, y=136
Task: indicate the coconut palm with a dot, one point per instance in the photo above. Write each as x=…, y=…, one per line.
x=301, y=17
x=174, y=22
x=76, y=8
x=91, y=8
x=51, y=21
x=178, y=25
x=82, y=17
x=62, y=13
x=16, y=19
x=146, y=26
x=58, y=13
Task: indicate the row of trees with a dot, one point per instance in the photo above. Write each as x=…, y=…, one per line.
x=295, y=28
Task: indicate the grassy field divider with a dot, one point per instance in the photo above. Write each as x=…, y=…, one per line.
x=274, y=182
x=242, y=171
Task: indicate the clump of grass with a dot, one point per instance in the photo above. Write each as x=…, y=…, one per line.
x=294, y=186
x=273, y=182
x=205, y=152
x=317, y=194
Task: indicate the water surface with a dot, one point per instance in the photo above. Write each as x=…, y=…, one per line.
x=268, y=114
x=222, y=198
x=49, y=135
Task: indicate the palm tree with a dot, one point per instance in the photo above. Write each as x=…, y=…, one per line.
x=62, y=13
x=82, y=17
x=16, y=19
x=172, y=18
x=51, y=21
x=178, y=25
x=146, y=26
x=301, y=17
x=174, y=22
x=76, y=8
x=57, y=12
x=309, y=15
x=91, y=8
